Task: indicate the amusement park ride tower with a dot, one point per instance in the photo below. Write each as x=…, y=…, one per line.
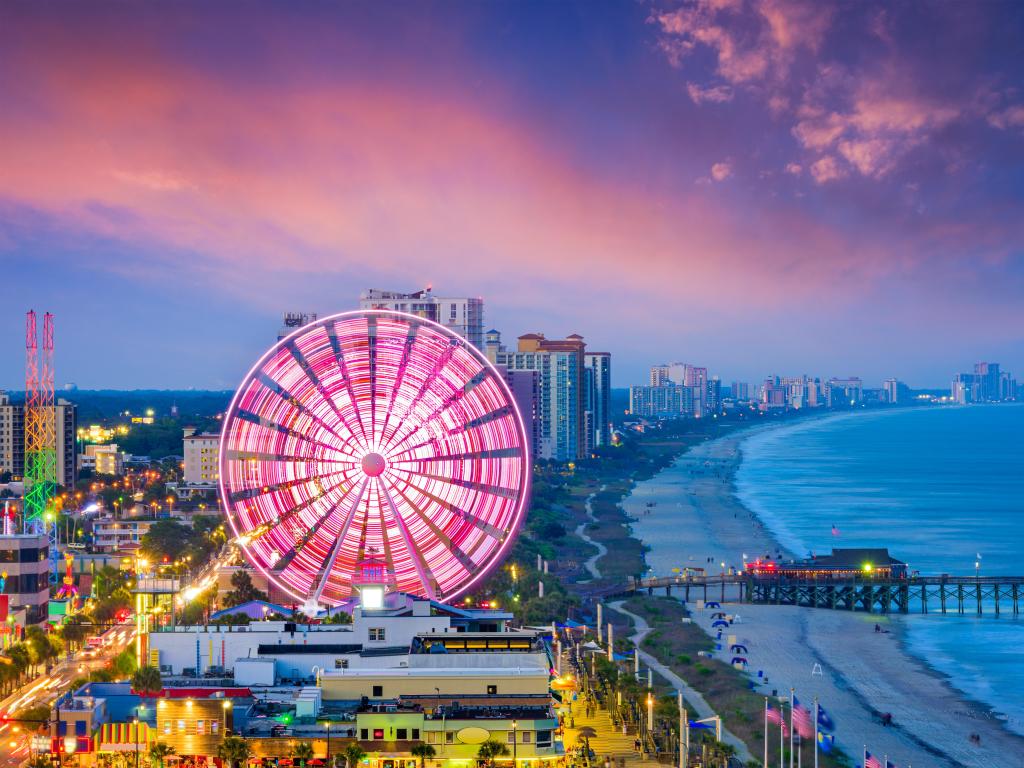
x=40, y=432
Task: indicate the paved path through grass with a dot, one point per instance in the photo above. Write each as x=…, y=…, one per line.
x=591, y=564
x=702, y=708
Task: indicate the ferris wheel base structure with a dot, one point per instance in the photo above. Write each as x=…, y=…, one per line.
x=374, y=442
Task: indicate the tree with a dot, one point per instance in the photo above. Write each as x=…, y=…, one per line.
x=160, y=751
x=147, y=680
x=303, y=752
x=74, y=630
x=125, y=663
x=234, y=750
x=424, y=752
x=38, y=716
x=489, y=750
x=353, y=754
x=243, y=591
x=167, y=539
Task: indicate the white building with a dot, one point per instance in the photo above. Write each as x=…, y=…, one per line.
x=464, y=316
x=103, y=459
x=201, y=451
x=380, y=639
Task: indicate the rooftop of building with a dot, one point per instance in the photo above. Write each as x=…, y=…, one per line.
x=855, y=557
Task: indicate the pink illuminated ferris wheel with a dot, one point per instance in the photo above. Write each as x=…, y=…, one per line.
x=373, y=434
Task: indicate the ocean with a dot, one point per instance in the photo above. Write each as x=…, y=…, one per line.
x=939, y=487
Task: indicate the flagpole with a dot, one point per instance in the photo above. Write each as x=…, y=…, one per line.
x=799, y=751
x=765, y=732
x=782, y=736
x=864, y=759
x=791, y=694
x=684, y=758
x=815, y=732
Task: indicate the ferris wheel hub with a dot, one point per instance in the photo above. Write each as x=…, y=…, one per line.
x=374, y=464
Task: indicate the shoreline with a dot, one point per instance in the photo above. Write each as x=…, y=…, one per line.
x=698, y=520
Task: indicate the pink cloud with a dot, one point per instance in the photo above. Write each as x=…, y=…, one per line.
x=752, y=40
x=714, y=94
x=721, y=171
x=826, y=169
x=1011, y=117
x=337, y=174
x=876, y=125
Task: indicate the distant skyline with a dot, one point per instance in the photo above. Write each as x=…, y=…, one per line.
x=754, y=186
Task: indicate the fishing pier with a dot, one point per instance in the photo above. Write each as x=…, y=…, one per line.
x=866, y=580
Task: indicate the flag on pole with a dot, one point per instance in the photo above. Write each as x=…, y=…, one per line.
x=889, y=763
x=802, y=720
x=774, y=715
x=825, y=723
x=826, y=741
x=870, y=761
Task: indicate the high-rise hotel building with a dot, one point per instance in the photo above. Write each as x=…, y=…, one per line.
x=464, y=315
x=573, y=408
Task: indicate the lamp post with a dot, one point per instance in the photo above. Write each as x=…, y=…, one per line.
x=328, y=758
x=515, y=740
x=135, y=721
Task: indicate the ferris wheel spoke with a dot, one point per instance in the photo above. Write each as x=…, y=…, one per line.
x=493, y=490
x=428, y=382
x=403, y=363
x=306, y=537
x=451, y=401
x=441, y=536
x=482, y=525
x=282, y=392
x=285, y=485
x=287, y=515
x=339, y=359
x=310, y=372
x=349, y=516
x=422, y=569
x=264, y=422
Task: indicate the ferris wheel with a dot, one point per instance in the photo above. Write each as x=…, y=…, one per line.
x=373, y=434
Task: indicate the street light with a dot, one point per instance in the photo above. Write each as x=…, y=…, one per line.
x=515, y=740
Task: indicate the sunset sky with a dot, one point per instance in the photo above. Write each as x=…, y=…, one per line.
x=761, y=187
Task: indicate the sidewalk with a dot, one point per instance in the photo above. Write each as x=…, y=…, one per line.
x=609, y=742
x=693, y=698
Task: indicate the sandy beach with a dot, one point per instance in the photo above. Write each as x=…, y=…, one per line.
x=696, y=520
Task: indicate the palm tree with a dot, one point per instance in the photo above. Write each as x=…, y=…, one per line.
x=585, y=734
x=489, y=750
x=147, y=680
x=424, y=752
x=302, y=752
x=353, y=755
x=234, y=750
x=159, y=752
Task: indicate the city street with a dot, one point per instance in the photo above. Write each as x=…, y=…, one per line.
x=44, y=689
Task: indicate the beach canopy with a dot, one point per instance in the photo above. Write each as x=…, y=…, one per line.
x=571, y=624
x=719, y=623
x=706, y=726
x=622, y=656
x=738, y=660
x=712, y=604
x=718, y=615
x=590, y=645
x=739, y=649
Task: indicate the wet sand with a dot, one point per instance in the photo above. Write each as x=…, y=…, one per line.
x=697, y=521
